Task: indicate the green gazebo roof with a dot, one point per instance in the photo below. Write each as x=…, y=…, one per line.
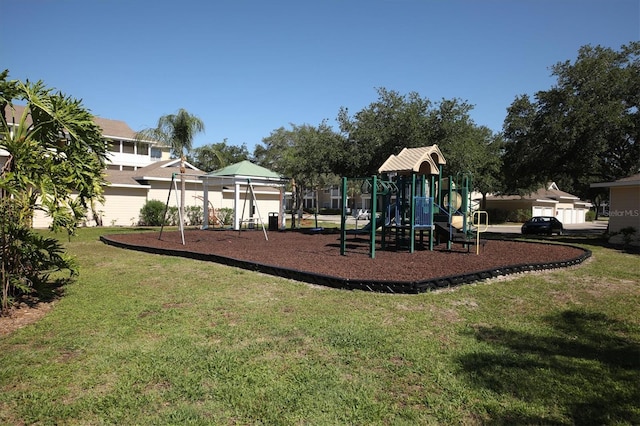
x=245, y=168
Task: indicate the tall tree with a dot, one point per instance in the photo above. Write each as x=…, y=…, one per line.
x=584, y=129
x=217, y=155
x=305, y=153
x=395, y=122
x=383, y=128
x=176, y=131
x=54, y=163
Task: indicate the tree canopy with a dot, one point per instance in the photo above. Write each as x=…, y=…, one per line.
x=398, y=121
x=175, y=131
x=56, y=153
x=53, y=161
x=307, y=154
x=217, y=155
x=582, y=130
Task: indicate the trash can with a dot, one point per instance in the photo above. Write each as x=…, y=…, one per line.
x=273, y=221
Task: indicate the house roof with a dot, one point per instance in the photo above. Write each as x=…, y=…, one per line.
x=113, y=129
x=165, y=170
x=247, y=169
x=424, y=160
x=160, y=170
x=121, y=178
x=633, y=180
x=550, y=193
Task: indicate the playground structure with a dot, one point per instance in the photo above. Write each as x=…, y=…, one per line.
x=412, y=199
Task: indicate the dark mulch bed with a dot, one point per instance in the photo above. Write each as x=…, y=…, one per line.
x=316, y=258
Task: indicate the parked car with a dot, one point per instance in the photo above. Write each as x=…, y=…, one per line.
x=547, y=225
x=362, y=214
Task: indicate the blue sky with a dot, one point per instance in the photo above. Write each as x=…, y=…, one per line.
x=247, y=67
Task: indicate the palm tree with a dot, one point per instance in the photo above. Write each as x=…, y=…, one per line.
x=176, y=131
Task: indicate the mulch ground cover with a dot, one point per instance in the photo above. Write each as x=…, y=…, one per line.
x=316, y=257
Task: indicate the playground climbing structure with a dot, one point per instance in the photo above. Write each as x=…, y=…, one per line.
x=411, y=201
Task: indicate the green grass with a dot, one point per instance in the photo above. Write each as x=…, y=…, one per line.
x=146, y=339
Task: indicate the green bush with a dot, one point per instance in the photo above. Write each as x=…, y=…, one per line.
x=172, y=217
x=26, y=258
x=225, y=215
x=194, y=215
x=151, y=214
x=628, y=234
x=519, y=215
x=330, y=211
x=497, y=216
x=590, y=216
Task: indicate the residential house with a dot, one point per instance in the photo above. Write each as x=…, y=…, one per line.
x=547, y=201
x=331, y=198
x=129, y=190
x=624, y=207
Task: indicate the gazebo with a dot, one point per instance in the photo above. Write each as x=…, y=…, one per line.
x=252, y=192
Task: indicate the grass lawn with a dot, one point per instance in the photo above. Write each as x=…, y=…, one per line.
x=147, y=339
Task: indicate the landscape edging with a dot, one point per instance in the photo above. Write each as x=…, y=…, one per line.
x=403, y=287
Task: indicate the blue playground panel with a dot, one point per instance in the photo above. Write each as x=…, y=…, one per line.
x=423, y=213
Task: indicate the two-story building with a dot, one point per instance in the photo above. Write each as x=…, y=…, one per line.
x=142, y=170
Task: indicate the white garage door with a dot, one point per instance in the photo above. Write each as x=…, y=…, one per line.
x=542, y=211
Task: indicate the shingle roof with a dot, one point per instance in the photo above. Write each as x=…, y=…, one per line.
x=121, y=177
x=631, y=178
x=115, y=128
x=424, y=160
x=165, y=169
x=159, y=170
x=110, y=128
x=550, y=192
x=245, y=168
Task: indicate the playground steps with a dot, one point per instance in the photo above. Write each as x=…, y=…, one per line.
x=456, y=236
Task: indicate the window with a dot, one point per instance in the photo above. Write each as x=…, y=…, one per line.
x=128, y=148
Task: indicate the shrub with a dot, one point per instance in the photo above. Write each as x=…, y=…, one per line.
x=497, y=216
x=225, y=215
x=151, y=214
x=194, y=215
x=519, y=215
x=628, y=235
x=590, y=216
x=26, y=258
x=330, y=211
x=172, y=217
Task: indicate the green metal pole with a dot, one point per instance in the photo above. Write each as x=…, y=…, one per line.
x=431, y=194
x=374, y=209
x=412, y=214
x=343, y=219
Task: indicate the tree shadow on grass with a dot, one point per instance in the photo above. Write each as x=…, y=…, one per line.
x=582, y=369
